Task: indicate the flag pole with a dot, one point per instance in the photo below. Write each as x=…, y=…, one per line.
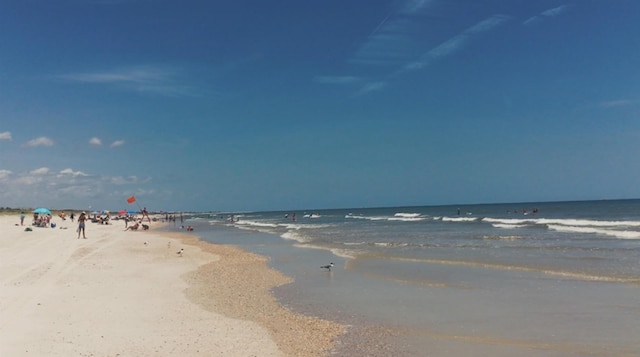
x=144, y=212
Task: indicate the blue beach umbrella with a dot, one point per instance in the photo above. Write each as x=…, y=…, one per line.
x=41, y=211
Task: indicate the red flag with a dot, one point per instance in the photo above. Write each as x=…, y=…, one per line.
x=131, y=199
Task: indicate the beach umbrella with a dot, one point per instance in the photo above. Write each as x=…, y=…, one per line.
x=41, y=211
x=123, y=213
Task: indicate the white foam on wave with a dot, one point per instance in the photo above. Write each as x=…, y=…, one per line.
x=407, y=219
x=256, y=224
x=618, y=229
x=343, y=253
x=296, y=226
x=293, y=235
x=407, y=215
x=370, y=218
x=608, y=232
x=507, y=238
x=459, y=219
x=510, y=221
x=509, y=226
x=587, y=223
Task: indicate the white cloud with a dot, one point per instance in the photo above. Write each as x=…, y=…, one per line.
x=4, y=174
x=95, y=141
x=5, y=136
x=40, y=171
x=28, y=180
x=70, y=172
x=41, y=141
x=68, y=188
x=117, y=143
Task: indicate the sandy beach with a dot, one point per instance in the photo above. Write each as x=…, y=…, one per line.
x=127, y=293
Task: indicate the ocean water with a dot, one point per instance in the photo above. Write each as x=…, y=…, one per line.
x=526, y=279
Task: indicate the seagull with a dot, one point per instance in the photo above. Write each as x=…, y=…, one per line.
x=180, y=252
x=328, y=267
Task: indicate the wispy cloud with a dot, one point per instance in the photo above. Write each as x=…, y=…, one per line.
x=117, y=143
x=5, y=136
x=392, y=41
x=144, y=80
x=556, y=11
x=391, y=44
x=129, y=180
x=336, y=79
x=455, y=43
x=41, y=141
x=95, y=141
x=111, y=2
x=415, y=6
x=618, y=103
x=395, y=42
x=372, y=87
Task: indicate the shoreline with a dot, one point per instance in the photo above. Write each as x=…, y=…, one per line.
x=128, y=293
x=238, y=285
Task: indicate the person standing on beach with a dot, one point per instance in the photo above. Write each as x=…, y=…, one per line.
x=145, y=213
x=22, y=218
x=81, y=222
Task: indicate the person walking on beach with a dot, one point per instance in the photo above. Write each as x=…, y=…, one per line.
x=22, y=218
x=81, y=222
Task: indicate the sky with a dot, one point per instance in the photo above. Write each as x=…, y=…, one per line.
x=250, y=105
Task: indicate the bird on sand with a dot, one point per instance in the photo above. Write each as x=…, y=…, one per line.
x=180, y=252
x=328, y=267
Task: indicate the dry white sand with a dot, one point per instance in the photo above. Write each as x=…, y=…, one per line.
x=114, y=295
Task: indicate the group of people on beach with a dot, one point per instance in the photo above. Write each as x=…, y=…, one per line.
x=39, y=220
x=44, y=220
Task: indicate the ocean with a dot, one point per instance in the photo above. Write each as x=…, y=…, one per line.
x=525, y=279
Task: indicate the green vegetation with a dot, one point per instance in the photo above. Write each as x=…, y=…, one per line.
x=9, y=210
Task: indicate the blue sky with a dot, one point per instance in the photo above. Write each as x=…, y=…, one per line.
x=265, y=105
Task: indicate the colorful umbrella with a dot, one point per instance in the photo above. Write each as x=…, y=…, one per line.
x=41, y=211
